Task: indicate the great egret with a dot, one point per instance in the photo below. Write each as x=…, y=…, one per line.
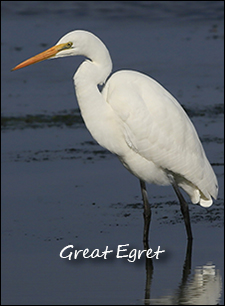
x=137, y=119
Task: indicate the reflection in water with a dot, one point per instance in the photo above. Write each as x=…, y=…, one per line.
x=202, y=288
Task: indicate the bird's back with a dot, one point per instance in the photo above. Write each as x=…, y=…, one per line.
x=159, y=137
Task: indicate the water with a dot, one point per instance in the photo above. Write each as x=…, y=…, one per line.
x=60, y=188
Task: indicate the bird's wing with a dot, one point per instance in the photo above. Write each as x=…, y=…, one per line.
x=155, y=126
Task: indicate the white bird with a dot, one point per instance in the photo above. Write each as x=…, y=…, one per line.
x=137, y=119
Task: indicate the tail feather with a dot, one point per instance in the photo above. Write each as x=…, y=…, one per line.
x=206, y=202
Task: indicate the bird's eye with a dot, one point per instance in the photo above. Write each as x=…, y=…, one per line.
x=69, y=44
x=66, y=46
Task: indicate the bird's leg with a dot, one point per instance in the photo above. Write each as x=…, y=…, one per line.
x=147, y=212
x=184, y=209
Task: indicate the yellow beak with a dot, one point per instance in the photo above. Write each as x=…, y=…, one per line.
x=43, y=55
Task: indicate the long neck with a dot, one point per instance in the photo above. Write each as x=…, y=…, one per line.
x=94, y=108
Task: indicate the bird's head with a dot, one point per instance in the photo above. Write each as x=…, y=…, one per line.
x=74, y=43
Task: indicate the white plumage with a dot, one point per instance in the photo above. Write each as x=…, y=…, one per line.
x=158, y=137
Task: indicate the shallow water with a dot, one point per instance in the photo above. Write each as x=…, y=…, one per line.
x=60, y=188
